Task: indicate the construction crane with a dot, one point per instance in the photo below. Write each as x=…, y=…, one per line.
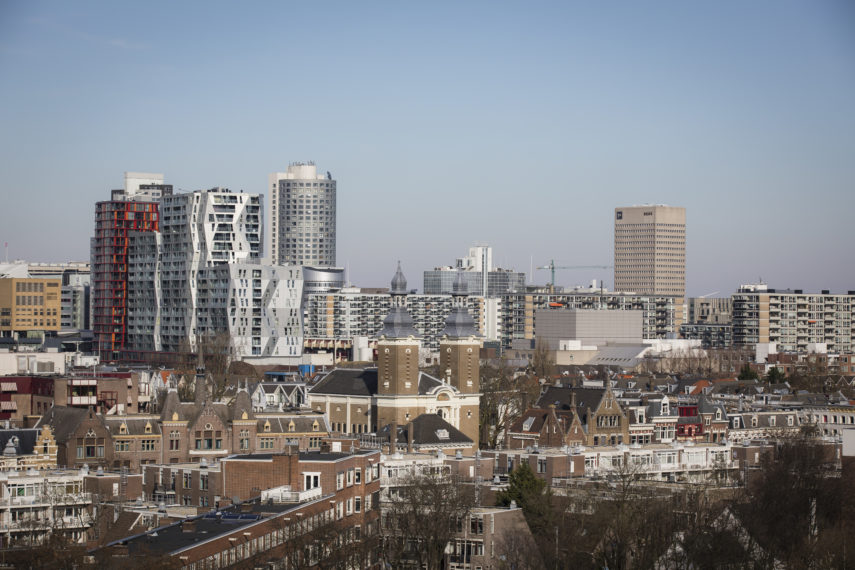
x=552, y=267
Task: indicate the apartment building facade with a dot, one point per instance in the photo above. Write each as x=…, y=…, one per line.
x=660, y=314
x=201, y=279
x=794, y=319
x=131, y=209
x=349, y=313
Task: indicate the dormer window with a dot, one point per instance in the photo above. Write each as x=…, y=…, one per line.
x=291, y=426
x=315, y=426
x=147, y=427
x=123, y=429
x=267, y=426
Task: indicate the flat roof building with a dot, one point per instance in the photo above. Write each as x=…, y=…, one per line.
x=650, y=250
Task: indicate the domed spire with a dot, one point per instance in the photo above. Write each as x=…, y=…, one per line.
x=460, y=288
x=398, y=323
x=460, y=324
x=399, y=282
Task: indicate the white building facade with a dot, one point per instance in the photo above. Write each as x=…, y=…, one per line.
x=201, y=277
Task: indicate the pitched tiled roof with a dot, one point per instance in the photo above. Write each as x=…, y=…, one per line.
x=63, y=421
x=429, y=430
x=303, y=423
x=562, y=398
x=135, y=425
x=348, y=381
x=428, y=383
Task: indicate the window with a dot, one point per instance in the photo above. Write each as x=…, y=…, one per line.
x=349, y=477
x=147, y=444
x=311, y=481
x=265, y=443
x=203, y=482
x=357, y=476
x=173, y=441
x=188, y=481
x=244, y=439
x=541, y=465
x=339, y=480
x=123, y=445
x=357, y=505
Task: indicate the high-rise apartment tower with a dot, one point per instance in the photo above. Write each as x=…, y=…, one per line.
x=302, y=216
x=650, y=250
x=133, y=208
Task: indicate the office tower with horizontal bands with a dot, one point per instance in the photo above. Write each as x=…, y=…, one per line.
x=650, y=250
x=302, y=216
x=133, y=208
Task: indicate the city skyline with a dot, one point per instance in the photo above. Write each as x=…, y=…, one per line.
x=452, y=125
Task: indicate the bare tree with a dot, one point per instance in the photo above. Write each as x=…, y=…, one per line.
x=420, y=518
x=505, y=395
x=542, y=361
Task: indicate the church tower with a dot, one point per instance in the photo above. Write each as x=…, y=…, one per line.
x=459, y=356
x=398, y=346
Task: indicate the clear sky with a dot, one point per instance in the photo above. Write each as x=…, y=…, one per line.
x=521, y=125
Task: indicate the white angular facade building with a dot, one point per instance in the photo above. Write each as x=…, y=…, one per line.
x=259, y=306
x=201, y=277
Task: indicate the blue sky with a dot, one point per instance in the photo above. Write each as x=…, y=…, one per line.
x=450, y=123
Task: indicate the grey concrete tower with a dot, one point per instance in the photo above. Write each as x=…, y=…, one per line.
x=302, y=216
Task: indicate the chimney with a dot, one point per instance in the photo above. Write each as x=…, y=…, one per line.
x=410, y=437
x=188, y=526
x=573, y=400
x=393, y=437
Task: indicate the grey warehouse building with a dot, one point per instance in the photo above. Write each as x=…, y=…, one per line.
x=590, y=326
